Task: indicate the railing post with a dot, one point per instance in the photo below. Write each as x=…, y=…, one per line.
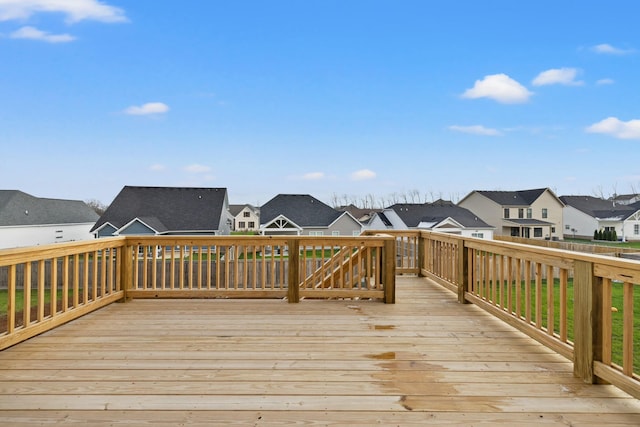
x=587, y=290
x=293, y=290
x=126, y=268
x=389, y=271
x=463, y=272
x=421, y=254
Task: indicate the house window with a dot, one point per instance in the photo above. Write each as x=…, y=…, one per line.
x=316, y=233
x=567, y=227
x=636, y=229
x=252, y=224
x=335, y=233
x=529, y=213
x=520, y=213
x=478, y=235
x=241, y=224
x=506, y=212
x=553, y=229
x=544, y=212
x=537, y=232
x=246, y=214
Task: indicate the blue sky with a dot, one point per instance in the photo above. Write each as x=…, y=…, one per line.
x=354, y=99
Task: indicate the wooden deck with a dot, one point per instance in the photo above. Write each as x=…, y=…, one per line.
x=424, y=360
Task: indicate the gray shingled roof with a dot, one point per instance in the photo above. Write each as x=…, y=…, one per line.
x=514, y=198
x=167, y=209
x=303, y=209
x=19, y=208
x=600, y=208
x=236, y=209
x=413, y=214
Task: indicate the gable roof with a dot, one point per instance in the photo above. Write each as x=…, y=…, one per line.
x=600, y=208
x=167, y=209
x=236, y=209
x=412, y=214
x=514, y=198
x=18, y=209
x=302, y=209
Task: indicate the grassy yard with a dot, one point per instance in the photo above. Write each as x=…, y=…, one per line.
x=34, y=299
x=632, y=245
x=617, y=313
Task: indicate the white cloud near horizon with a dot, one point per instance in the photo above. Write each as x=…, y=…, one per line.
x=606, y=48
x=75, y=11
x=197, y=168
x=606, y=81
x=476, y=130
x=562, y=76
x=363, y=174
x=500, y=88
x=313, y=176
x=147, y=109
x=32, y=33
x=617, y=128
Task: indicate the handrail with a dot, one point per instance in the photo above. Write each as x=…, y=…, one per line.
x=46, y=286
x=582, y=306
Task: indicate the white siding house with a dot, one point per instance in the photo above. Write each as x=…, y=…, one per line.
x=26, y=220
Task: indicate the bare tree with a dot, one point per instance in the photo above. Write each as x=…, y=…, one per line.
x=96, y=205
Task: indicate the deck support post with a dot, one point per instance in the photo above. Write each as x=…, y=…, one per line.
x=421, y=254
x=389, y=270
x=462, y=273
x=126, y=274
x=293, y=289
x=588, y=303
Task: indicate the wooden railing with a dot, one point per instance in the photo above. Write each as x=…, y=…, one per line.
x=585, y=307
x=43, y=287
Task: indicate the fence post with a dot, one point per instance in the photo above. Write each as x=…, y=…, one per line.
x=463, y=272
x=587, y=290
x=293, y=289
x=126, y=267
x=421, y=253
x=389, y=270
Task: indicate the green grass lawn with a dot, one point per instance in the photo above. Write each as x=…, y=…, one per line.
x=4, y=296
x=617, y=314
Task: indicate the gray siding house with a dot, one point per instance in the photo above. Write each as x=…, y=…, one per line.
x=302, y=214
x=166, y=211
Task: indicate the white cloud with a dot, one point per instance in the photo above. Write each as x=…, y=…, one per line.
x=197, y=168
x=605, y=82
x=75, y=10
x=146, y=109
x=563, y=76
x=313, y=176
x=499, y=87
x=33, y=33
x=617, y=128
x=363, y=174
x=476, y=130
x=608, y=49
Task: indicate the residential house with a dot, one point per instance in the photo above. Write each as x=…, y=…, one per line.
x=441, y=216
x=302, y=214
x=26, y=220
x=535, y=214
x=625, y=199
x=583, y=215
x=363, y=215
x=166, y=211
x=246, y=218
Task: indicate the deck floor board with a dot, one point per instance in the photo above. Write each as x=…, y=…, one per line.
x=424, y=360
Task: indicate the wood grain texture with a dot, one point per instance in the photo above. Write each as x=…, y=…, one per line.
x=426, y=360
